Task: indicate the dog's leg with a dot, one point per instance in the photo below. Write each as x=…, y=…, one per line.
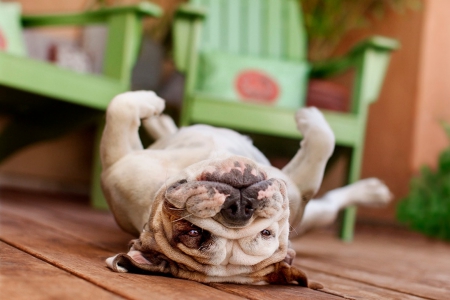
x=123, y=118
x=160, y=126
x=308, y=165
x=323, y=212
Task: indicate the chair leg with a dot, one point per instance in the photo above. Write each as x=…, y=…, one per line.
x=349, y=215
x=97, y=199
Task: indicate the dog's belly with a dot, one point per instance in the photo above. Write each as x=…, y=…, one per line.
x=219, y=141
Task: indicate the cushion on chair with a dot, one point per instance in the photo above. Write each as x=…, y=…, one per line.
x=11, y=39
x=240, y=78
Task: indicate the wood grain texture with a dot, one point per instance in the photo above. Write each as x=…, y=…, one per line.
x=68, y=237
x=25, y=277
x=75, y=221
x=276, y=292
x=403, y=262
x=350, y=289
x=87, y=261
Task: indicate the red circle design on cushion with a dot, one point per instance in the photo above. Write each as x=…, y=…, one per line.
x=3, y=43
x=256, y=86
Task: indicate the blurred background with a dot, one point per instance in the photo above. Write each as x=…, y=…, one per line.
x=404, y=132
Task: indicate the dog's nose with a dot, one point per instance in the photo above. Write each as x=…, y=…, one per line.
x=237, y=210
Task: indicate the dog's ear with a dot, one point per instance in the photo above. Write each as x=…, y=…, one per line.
x=286, y=274
x=139, y=261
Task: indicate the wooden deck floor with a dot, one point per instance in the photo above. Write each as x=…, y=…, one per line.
x=54, y=247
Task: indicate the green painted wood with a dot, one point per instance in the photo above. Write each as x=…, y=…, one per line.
x=296, y=39
x=90, y=93
x=274, y=25
x=90, y=17
x=267, y=120
x=185, y=32
x=187, y=10
x=371, y=59
x=274, y=29
x=97, y=198
x=234, y=35
x=192, y=70
x=122, y=46
x=339, y=65
x=11, y=29
x=49, y=80
x=256, y=27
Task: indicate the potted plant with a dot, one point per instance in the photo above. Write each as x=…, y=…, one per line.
x=427, y=206
x=327, y=22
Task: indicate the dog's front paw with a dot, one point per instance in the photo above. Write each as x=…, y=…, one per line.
x=370, y=192
x=144, y=103
x=310, y=118
x=315, y=129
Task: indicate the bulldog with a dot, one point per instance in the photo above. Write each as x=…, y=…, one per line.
x=206, y=205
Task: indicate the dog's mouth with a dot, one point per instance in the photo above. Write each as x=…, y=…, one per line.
x=230, y=206
x=233, y=192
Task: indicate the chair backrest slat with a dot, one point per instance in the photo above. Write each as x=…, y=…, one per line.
x=273, y=37
x=11, y=35
x=233, y=11
x=264, y=28
x=252, y=35
x=296, y=39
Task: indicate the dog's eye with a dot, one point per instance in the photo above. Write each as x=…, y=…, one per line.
x=193, y=233
x=266, y=232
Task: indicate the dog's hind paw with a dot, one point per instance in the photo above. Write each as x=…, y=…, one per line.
x=370, y=192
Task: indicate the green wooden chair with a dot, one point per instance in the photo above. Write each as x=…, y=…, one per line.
x=243, y=44
x=44, y=100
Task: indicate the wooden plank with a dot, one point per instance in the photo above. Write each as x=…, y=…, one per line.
x=275, y=292
x=408, y=268
x=374, y=278
x=97, y=90
x=383, y=264
x=71, y=219
x=23, y=276
x=266, y=119
x=233, y=14
x=350, y=289
x=86, y=261
x=373, y=245
x=89, y=17
x=78, y=222
x=213, y=26
x=274, y=29
x=255, y=23
x=295, y=33
x=122, y=46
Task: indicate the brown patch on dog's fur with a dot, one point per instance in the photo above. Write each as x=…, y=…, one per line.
x=184, y=231
x=286, y=274
x=190, y=235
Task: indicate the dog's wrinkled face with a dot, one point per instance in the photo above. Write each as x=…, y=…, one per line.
x=219, y=221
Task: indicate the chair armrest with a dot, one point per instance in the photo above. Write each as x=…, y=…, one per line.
x=191, y=11
x=88, y=17
x=186, y=34
x=336, y=66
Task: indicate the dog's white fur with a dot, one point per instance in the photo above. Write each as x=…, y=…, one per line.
x=135, y=178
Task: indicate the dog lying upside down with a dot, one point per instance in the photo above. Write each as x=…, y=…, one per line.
x=206, y=204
